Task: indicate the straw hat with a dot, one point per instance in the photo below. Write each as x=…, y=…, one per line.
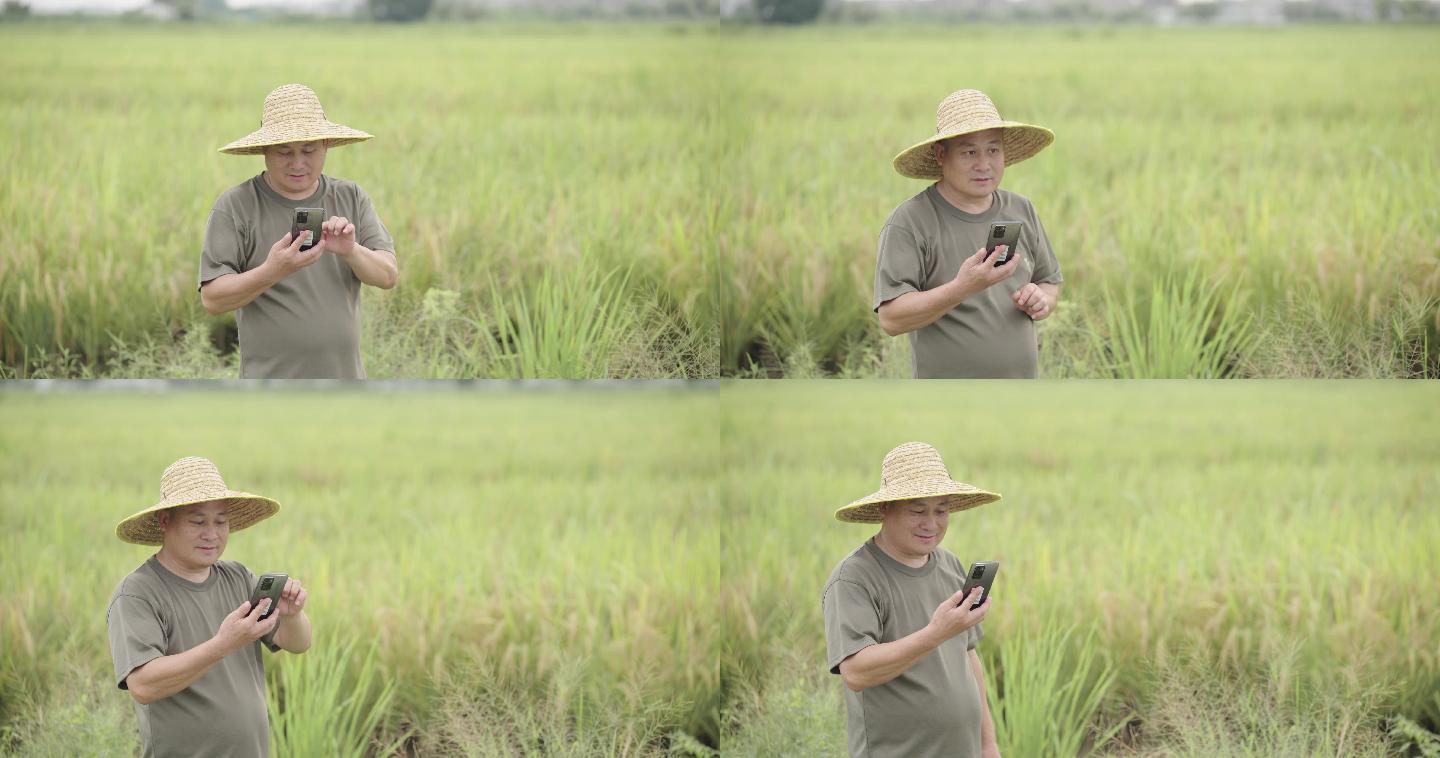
x=189, y=481
x=966, y=112
x=913, y=470
x=293, y=114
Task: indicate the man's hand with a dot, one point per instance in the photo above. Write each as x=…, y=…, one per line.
x=978, y=274
x=285, y=257
x=243, y=626
x=954, y=615
x=1033, y=300
x=337, y=235
x=292, y=598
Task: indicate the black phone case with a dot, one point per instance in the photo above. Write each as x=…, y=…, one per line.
x=982, y=573
x=1010, y=238
x=315, y=217
x=277, y=586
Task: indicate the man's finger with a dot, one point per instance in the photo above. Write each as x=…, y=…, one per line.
x=349, y=230
x=242, y=611
x=259, y=609
x=300, y=239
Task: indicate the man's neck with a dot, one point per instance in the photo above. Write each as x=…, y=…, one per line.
x=289, y=195
x=188, y=573
x=913, y=561
x=967, y=204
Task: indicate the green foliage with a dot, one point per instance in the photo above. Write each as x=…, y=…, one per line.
x=1051, y=691
x=399, y=10
x=1185, y=329
x=329, y=700
x=788, y=11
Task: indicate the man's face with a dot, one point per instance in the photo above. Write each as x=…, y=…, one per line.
x=972, y=164
x=295, y=166
x=915, y=527
x=196, y=534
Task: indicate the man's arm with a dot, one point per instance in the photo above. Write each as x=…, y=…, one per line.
x=989, y=748
x=230, y=292
x=881, y=662
x=162, y=677
x=917, y=310
x=376, y=268
x=293, y=634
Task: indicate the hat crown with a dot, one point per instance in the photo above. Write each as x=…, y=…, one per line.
x=192, y=478
x=965, y=110
x=291, y=103
x=910, y=462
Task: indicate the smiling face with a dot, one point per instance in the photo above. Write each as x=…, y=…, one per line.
x=972, y=164
x=911, y=529
x=293, y=169
x=195, y=535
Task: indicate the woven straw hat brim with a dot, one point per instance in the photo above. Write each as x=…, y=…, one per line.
x=335, y=135
x=959, y=496
x=243, y=510
x=1021, y=141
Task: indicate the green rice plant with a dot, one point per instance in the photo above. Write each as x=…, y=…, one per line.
x=1049, y=692
x=1185, y=329
x=330, y=700
x=566, y=326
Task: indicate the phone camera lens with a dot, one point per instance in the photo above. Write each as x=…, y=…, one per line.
x=265, y=585
x=999, y=232
x=302, y=216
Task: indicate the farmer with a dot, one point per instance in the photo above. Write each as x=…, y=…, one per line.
x=933, y=280
x=299, y=310
x=185, y=641
x=897, y=628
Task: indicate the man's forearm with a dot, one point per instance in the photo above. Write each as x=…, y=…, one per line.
x=1052, y=292
x=917, y=310
x=376, y=268
x=293, y=633
x=164, y=676
x=878, y=664
x=987, y=726
x=230, y=292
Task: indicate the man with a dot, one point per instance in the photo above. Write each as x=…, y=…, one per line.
x=299, y=310
x=965, y=316
x=185, y=641
x=898, y=629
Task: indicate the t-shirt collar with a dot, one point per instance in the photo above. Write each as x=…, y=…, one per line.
x=171, y=578
x=890, y=563
x=309, y=202
x=933, y=192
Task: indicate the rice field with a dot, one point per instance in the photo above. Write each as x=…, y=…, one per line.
x=1252, y=564
x=700, y=200
x=552, y=179
x=1232, y=568
x=1284, y=168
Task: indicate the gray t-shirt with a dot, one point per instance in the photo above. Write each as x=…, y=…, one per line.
x=307, y=326
x=153, y=613
x=922, y=246
x=933, y=709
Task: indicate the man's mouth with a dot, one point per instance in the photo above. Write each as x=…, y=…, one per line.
x=924, y=537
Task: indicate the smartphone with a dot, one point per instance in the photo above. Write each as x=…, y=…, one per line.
x=307, y=218
x=982, y=573
x=269, y=585
x=1005, y=233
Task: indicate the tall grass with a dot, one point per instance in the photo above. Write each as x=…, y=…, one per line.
x=1204, y=530
x=500, y=154
x=1049, y=696
x=1185, y=329
x=1274, y=164
x=519, y=534
x=330, y=702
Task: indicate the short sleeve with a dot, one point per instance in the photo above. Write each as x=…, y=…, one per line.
x=852, y=622
x=370, y=231
x=898, y=268
x=976, y=633
x=136, y=637
x=1047, y=268
x=221, y=253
